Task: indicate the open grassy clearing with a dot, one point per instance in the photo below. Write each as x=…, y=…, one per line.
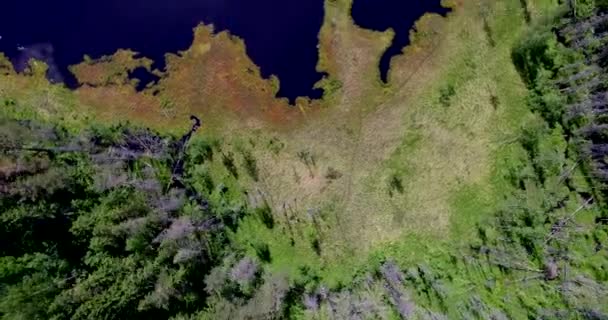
x=418, y=162
x=409, y=165
x=435, y=158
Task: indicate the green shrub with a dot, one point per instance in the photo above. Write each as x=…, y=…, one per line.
x=445, y=95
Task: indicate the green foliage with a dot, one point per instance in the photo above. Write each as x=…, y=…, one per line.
x=395, y=184
x=539, y=51
x=202, y=150
x=118, y=223
x=263, y=252
x=601, y=4
x=546, y=99
x=250, y=165
x=264, y=213
x=228, y=161
x=98, y=233
x=585, y=8
x=330, y=86
x=275, y=145
x=316, y=245
x=445, y=95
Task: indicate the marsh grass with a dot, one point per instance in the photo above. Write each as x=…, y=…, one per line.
x=420, y=161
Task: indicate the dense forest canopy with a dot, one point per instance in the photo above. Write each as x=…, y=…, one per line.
x=124, y=222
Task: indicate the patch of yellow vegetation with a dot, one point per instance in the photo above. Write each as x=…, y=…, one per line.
x=350, y=54
x=110, y=70
x=377, y=162
x=30, y=95
x=202, y=49
x=6, y=67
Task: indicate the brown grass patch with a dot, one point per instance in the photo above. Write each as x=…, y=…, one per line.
x=214, y=79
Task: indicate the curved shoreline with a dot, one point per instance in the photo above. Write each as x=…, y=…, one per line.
x=108, y=72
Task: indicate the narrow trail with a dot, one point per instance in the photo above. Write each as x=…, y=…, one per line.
x=346, y=199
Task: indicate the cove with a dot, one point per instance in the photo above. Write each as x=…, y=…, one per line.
x=281, y=35
x=400, y=15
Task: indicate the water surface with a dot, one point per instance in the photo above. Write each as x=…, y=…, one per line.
x=400, y=15
x=281, y=35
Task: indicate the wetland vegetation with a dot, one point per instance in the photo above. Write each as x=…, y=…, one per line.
x=471, y=185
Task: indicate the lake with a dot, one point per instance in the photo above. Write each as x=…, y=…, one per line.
x=400, y=15
x=281, y=35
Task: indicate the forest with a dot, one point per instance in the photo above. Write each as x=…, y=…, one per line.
x=104, y=221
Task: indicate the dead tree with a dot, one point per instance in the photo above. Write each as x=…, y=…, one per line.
x=180, y=150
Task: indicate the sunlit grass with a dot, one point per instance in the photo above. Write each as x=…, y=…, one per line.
x=419, y=162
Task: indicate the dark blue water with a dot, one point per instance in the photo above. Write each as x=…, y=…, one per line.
x=400, y=15
x=281, y=35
